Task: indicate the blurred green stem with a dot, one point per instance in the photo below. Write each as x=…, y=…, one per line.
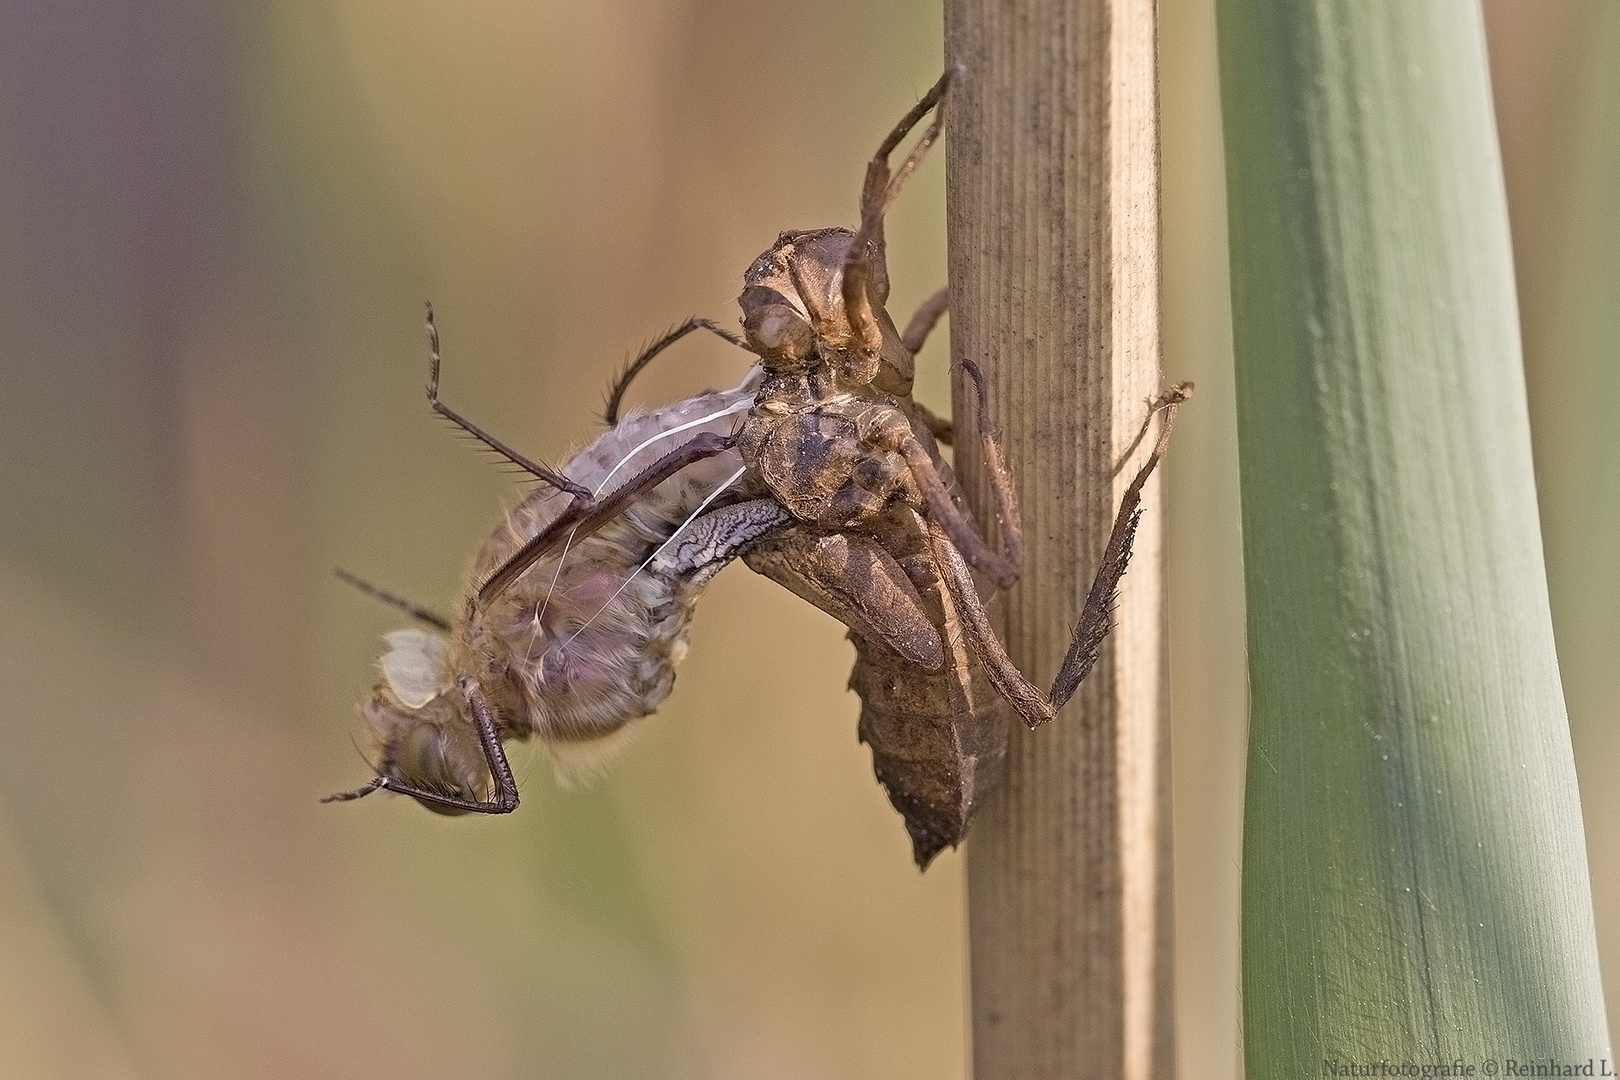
x=1415, y=883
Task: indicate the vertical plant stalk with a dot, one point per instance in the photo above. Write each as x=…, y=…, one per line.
x=1415, y=884
x=1052, y=196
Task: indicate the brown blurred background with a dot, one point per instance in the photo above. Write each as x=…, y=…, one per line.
x=217, y=225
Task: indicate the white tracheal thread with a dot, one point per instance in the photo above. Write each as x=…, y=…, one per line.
x=742, y=406
x=693, y=516
x=540, y=611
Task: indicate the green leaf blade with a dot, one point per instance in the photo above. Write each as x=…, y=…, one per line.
x=1415, y=883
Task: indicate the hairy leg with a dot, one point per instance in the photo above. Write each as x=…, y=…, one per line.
x=925, y=318
x=505, y=798
x=584, y=516
x=866, y=279
x=1031, y=704
x=610, y=413
x=535, y=469
x=410, y=607
x=1003, y=566
x=921, y=324
x=1096, y=617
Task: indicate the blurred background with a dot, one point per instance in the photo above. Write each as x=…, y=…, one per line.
x=218, y=223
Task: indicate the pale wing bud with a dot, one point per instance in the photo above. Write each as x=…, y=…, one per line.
x=417, y=666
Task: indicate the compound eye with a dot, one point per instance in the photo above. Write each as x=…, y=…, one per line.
x=779, y=333
x=427, y=757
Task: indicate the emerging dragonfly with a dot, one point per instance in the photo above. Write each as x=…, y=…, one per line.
x=588, y=638
x=824, y=473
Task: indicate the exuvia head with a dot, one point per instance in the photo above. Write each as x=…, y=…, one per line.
x=814, y=303
x=791, y=296
x=795, y=314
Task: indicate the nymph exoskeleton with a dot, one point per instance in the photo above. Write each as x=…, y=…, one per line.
x=881, y=539
x=618, y=544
